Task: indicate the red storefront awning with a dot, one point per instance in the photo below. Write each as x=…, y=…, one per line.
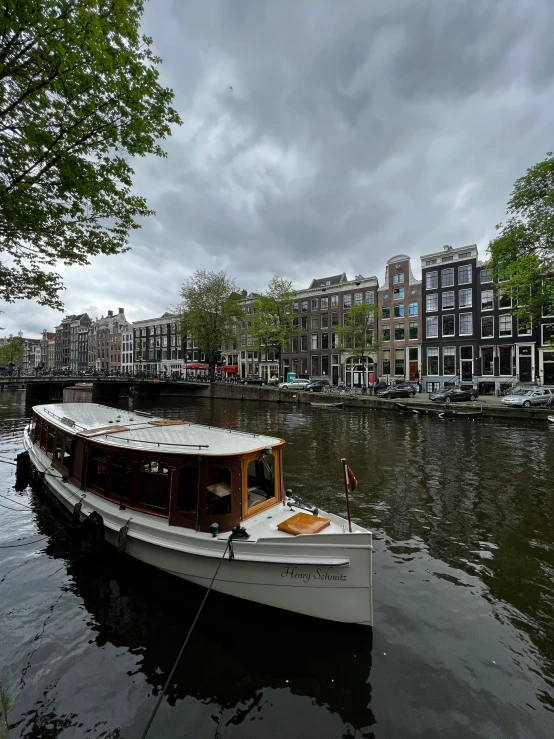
x=231, y=368
x=196, y=366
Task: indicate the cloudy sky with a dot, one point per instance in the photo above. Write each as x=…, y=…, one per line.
x=322, y=136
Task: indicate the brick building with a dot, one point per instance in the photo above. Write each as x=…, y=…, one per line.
x=399, y=301
x=159, y=346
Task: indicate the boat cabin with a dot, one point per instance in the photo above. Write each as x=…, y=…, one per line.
x=193, y=475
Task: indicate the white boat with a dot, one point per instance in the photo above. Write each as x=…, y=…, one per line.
x=172, y=494
x=550, y=418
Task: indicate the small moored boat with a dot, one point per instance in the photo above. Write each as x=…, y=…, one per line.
x=550, y=419
x=327, y=405
x=441, y=412
x=186, y=498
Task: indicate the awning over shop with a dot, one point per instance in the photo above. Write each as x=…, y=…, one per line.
x=196, y=366
x=231, y=368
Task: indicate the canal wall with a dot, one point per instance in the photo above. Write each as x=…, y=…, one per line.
x=221, y=390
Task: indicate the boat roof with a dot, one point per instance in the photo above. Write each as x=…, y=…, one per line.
x=137, y=430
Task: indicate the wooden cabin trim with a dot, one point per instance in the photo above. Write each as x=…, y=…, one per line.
x=277, y=496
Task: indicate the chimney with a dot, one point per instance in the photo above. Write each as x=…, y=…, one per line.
x=244, y=293
x=121, y=310
x=110, y=314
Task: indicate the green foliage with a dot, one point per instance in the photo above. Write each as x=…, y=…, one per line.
x=359, y=334
x=273, y=321
x=5, y=703
x=79, y=96
x=209, y=312
x=522, y=255
x=10, y=352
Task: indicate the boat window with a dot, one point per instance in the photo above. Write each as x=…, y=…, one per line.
x=154, y=467
x=97, y=469
x=38, y=429
x=59, y=451
x=187, y=492
x=50, y=446
x=68, y=452
x=261, y=480
x=121, y=477
x=218, y=491
x=153, y=490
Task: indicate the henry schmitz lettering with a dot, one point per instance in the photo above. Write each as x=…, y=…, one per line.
x=321, y=573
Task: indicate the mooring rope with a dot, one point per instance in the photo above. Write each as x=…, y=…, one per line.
x=176, y=663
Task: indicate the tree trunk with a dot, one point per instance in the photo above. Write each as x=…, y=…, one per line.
x=212, y=370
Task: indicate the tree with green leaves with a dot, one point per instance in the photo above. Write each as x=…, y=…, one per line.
x=358, y=336
x=79, y=98
x=522, y=255
x=10, y=352
x=273, y=321
x=209, y=312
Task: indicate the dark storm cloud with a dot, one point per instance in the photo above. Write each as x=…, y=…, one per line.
x=353, y=131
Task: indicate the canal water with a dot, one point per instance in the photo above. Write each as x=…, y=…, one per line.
x=463, y=644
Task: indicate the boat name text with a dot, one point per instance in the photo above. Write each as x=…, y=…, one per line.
x=321, y=573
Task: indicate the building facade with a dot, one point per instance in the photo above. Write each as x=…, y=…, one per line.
x=105, y=342
x=399, y=301
x=470, y=335
x=67, y=342
x=47, y=349
x=159, y=347
x=321, y=308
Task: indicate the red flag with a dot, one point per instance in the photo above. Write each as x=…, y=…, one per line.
x=352, y=482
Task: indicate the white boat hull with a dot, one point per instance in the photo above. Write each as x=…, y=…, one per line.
x=324, y=576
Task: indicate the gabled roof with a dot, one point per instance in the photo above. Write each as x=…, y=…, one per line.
x=329, y=281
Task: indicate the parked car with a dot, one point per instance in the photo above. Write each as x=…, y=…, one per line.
x=273, y=380
x=297, y=384
x=397, y=391
x=316, y=386
x=452, y=395
x=253, y=380
x=527, y=398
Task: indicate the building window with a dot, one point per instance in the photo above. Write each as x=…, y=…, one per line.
x=386, y=333
x=487, y=297
x=413, y=309
x=487, y=326
x=386, y=362
x=448, y=300
x=448, y=325
x=398, y=278
x=295, y=306
x=399, y=333
x=324, y=303
x=315, y=322
x=505, y=362
x=334, y=301
x=432, y=361
x=432, y=302
x=398, y=293
x=430, y=261
x=505, y=325
x=304, y=323
x=324, y=341
x=335, y=341
x=385, y=312
x=334, y=319
x=432, y=327
x=399, y=362
x=523, y=326
x=547, y=334
x=304, y=306
x=464, y=298
x=504, y=301
x=315, y=365
x=449, y=360
x=486, y=275
x=464, y=274
x=487, y=360
x=358, y=298
x=347, y=301
x=370, y=297
x=303, y=343
x=314, y=303
x=325, y=365
x=324, y=320
x=466, y=324
x=314, y=341
x=399, y=310
x=413, y=329
x=431, y=280
x=447, y=277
